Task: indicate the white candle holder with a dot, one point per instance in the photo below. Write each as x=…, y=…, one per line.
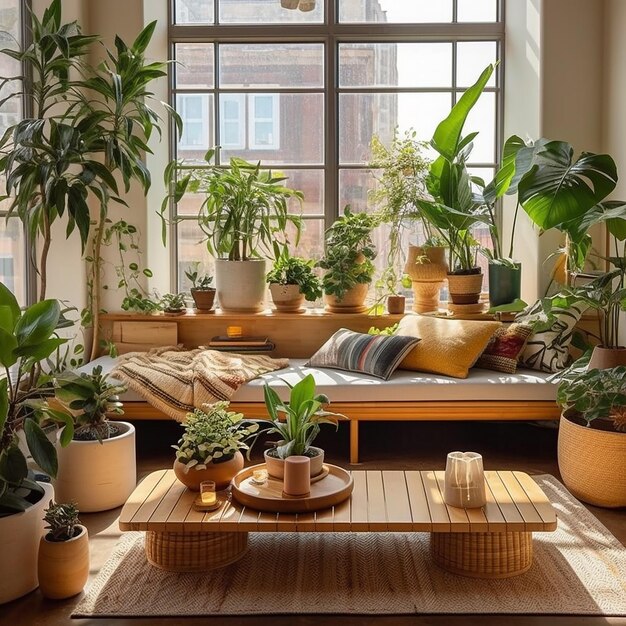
x=464, y=485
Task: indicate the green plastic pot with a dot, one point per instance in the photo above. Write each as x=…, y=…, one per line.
x=504, y=283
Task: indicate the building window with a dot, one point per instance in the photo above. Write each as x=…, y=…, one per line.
x=305, y=92
x=13, y=265
x=194, y=110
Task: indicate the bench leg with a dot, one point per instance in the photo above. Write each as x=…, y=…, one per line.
x=194, y=552
x=354, y=441
x=483, y=555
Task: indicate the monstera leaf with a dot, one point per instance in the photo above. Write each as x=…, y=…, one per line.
x=559, y=189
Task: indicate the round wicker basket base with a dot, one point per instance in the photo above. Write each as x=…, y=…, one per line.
x=483, y=555
x=194, y=552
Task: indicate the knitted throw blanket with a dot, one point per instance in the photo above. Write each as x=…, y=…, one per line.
x=176, y=381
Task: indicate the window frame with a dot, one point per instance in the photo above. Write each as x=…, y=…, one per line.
x=331, y=33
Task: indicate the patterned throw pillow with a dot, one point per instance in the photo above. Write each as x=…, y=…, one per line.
x=377, y=355
x=505, y=348
x=448, y=346
x=547, y=349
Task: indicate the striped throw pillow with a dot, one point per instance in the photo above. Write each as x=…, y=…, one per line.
x=377, y=355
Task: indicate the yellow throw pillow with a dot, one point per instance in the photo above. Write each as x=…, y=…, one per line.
x=448, y=346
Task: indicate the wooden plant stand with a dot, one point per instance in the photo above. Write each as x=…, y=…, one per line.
x=492, y=542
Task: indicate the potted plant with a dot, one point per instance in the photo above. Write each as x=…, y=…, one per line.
x=97, y=469
x=27, y=338
x=63, y=563
x=173, y=303
x=210, y=448
x=401, y=185
x=87, y=134
x=243, y=216
x=292, y=281
x=592, y=433
x=297, y=422
x=348, y=262
x=201, y=291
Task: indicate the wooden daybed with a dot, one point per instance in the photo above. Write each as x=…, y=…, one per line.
x=414, y=396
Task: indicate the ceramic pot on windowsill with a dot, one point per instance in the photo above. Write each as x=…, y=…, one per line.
x=287, y=298
x=605, y=358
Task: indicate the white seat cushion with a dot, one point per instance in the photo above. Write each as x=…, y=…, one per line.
x=402, y=386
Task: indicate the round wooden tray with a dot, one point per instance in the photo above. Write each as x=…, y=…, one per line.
x=334, y=488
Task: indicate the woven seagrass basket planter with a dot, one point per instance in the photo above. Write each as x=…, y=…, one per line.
x=465, y=288
x=427, y=268
x=592, y=463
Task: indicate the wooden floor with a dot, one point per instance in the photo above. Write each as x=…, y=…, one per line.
x=406, y=446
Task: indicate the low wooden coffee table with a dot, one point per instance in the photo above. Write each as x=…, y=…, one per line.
x=492, y=542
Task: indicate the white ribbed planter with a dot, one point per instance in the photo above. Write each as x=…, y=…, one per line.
x=19, y=547
x=97, y=476
x=240, y=285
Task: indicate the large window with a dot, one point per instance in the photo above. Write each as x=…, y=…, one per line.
x=304, y=90
x=13, y=267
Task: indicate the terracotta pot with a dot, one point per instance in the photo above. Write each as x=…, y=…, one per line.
x=592, y=463
x=287, y=298
x=97, y=476
x=352, y=301
x=19, y=546
x=396, y=305
x=465, y=288
x=605, y=358
x=63, y=566
x=220, y=473
x=240, y=285
x=204, y=298
x=276, y=466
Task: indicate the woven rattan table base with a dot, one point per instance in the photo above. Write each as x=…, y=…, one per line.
x=194, y=552
x=483, y=555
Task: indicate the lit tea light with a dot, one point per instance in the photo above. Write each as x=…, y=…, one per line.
x=234, y=331
x=207, y=493
x=259, y=476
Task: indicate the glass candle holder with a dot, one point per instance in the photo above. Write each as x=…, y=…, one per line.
x=259, y=476
x=208, y=496
x=234, y=331
x=465, y=480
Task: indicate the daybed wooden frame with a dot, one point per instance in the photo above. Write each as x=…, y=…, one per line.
x=299, y=336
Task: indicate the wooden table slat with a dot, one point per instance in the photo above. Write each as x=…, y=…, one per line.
x=159, y=519
x=398, y=508
x=341, y=516
x=267, y=521
x=324, y=519
x=512, y=517
x=531, y=517
x=376, y=511
x=150, y=504
x=420, y=513
x=539, y=499
x=176, y=519
x=248, y=520
x=287, y=522
x=458, y=516
x=305, y=522
x=494, y=516
x=359, y=502
x=138, y=497
x=438, y=511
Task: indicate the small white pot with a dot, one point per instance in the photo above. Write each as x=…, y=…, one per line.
x=19, y=547
x=240, y=285
x=97, y=476
x=276, y=467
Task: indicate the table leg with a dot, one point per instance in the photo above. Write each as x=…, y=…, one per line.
x=193, y=552
x=483, y=555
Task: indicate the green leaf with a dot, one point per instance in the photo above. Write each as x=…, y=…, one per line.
x=13, y=468
x=301, y=392
x=37, y=323
x=41, y=447
x=500, y=184
x=7, y=299
x=448, y=133
x=8, y=343
x=558, y=189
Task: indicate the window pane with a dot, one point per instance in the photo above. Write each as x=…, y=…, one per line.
x=274, y=12
x=355, y=186
x=477, y=11
x=395, y=11
x=311, y=184
x=13, y=257
x=482, y=119
x=473, y=58
x=194, y=12
x=10, y=111
x=191, y=249
x=363, y=115
x=271, y=65
x=295, y=132
x=196, y=111
x=194, y=67
x=311, y=245
x=395, y=65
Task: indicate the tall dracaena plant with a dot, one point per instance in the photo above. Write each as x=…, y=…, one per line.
x=454, y=209
x=89, y=123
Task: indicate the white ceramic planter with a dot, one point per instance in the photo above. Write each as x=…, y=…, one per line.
x=276, y=467
x=97, y=476
x=240, y=285
x=19, y=546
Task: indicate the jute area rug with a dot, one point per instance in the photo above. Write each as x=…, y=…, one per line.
x=578, y=570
